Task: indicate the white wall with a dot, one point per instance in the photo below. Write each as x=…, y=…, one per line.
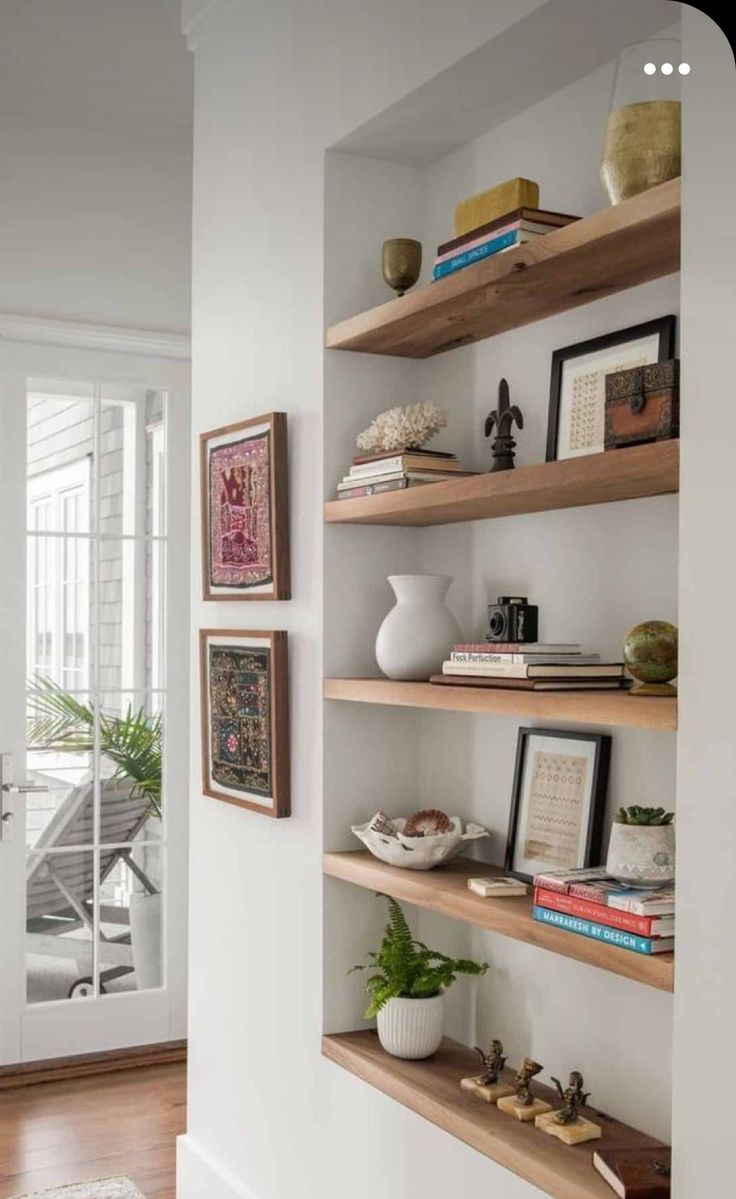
x=268, y=1117
x=95, y=162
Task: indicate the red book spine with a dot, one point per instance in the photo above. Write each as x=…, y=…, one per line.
x=584, y=909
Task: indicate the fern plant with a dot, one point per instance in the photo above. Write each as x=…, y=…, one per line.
x=132, y=742
x=405, y=968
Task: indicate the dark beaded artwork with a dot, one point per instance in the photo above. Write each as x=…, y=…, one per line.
x=240, y=716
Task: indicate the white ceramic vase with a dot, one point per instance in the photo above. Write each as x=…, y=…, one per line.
x=412, y=1028
x=419, y=631
x=642, y=855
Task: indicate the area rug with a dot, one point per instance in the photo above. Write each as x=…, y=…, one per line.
x=103, y=1188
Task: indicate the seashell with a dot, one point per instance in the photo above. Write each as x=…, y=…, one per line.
x=427, y=823
x=381, y=823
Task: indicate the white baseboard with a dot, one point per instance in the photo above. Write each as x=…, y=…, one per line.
x=199, y=1176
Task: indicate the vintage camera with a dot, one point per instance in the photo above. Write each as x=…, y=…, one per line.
x=513, y=619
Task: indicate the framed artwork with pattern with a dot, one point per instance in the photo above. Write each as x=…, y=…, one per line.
x=558, y=801
x=245, y=719
x=245, y=510
x=576, y=425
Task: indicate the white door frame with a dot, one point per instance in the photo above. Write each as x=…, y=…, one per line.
x=65, y=350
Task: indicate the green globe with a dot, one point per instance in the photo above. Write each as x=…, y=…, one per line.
x=650, y=651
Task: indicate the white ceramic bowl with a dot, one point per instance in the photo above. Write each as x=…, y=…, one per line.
x=418, y=853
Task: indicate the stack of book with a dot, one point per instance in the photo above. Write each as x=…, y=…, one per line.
x=534, y=666
x=512, y=229
x=397, y=469
x=591, y=904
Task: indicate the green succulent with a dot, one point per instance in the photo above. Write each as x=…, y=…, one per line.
x=405, y=968
x=637, y=815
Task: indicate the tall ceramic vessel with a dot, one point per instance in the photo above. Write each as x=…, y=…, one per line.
x=419, y=631
x=643, y=133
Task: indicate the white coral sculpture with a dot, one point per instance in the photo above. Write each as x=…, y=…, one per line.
x=406, y=428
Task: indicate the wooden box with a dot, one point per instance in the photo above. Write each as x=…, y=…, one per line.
x=643, y=404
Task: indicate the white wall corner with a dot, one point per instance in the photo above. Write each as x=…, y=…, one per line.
x=199, y=1176
x=194, y=17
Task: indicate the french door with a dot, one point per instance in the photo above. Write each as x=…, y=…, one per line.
x=94, y=534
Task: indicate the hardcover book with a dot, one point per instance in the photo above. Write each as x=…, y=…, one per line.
x=562, y=880
x=636, y=1173
x=643, y=926
x=601, y=932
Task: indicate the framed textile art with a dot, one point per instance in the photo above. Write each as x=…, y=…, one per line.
x=558, y=801
x=245, y=719
x=245, y=510
x=576, y=424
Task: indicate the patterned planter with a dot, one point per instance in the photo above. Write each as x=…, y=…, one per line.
x=412, y=1028
x=642, y=855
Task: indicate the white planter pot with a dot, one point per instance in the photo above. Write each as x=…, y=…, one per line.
x=412, y=1028
x=642, y=855
x=145, y=936
x=419, y=632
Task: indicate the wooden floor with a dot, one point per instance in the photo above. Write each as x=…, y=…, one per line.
x=124, y=1123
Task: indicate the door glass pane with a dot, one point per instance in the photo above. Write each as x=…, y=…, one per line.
x=59, y=926
x=131, y=919
x=96, y=681
x=131, y=767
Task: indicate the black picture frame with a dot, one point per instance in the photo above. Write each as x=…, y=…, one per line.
x=596, y=805
x=663, y=327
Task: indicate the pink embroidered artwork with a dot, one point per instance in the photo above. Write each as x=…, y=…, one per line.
x=239, y=513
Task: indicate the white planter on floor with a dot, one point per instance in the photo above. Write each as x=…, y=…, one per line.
x=145, y=936
x=642, y=855
x=420, y=631
x=412, y=1028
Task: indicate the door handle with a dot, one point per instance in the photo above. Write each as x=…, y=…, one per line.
x=8, y=788
x=22, y=788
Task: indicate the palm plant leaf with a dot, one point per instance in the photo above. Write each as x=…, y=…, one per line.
x=132, y=742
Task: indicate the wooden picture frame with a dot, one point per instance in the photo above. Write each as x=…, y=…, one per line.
x=577, y=398
x=244, y=677
x=553, y=782
x=244, y=489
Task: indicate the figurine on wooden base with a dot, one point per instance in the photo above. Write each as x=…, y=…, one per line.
x=566, y=1123
x=486, y=1085
x=501, y=421
x=524, y=1105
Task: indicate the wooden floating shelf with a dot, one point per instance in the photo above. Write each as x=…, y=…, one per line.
x=445, y=890
x=431, y=1088
x=617, y=248
x=582, y=707
x=626, y=474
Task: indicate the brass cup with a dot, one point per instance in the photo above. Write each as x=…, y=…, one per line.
x=401, y=262
x=642, y=148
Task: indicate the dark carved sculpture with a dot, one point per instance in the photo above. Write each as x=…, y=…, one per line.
x=523, y=1077
x=493, y=1063
x=501, y=420
x=573, y=1098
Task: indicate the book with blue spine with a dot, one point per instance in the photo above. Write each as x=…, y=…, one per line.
x=504, y=242
x=601, y=932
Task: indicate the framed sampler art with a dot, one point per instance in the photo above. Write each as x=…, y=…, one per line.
x=577, y=403
x=245, y=719
x=245, y=510
x=558, y=801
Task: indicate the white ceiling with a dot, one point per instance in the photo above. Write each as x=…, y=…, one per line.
x=116, y=64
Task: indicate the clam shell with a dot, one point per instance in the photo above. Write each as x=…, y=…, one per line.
x=427, y=823
x=381, y=823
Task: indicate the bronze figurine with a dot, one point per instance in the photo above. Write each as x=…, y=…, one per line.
x=502, y=420
x=573, y=1098
x=493, y=1063
x=523, y=1077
